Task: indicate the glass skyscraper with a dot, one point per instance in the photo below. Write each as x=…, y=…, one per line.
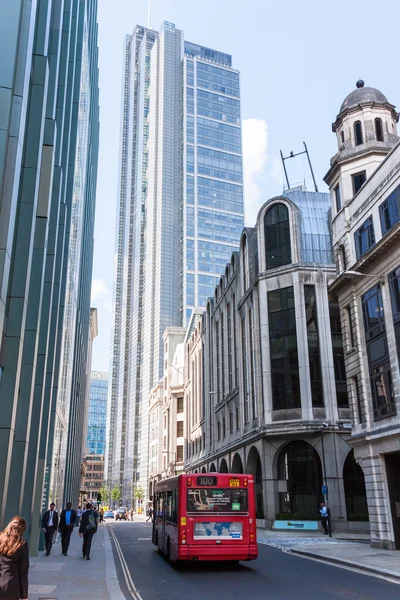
x=97, y=417
x=179, y=217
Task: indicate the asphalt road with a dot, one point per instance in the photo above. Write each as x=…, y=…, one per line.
x=275, y=575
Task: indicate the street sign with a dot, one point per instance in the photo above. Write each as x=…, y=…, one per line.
x=324, y=490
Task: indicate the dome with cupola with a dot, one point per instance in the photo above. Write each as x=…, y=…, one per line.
x=363, y=94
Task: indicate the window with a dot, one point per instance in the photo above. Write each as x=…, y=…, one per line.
x=358, y=181
x=222, y=356
x=357, y=399
x=374, y=319
x=349, y=327
x=283, y=344
x=223, y=427
x=389, y=211
x=179, y=405
x=245, y=264
x=337, y=198
x=179, y=454
x=358, y=136
x=231, y=421
x=245, y=374
x=378, y=130
x=394, y=286
x=219, y=430
x=235, y=342
x=342, y=259
x=179, y=429
x=230, y=360
x=317, y=395
x=364, y=238
x=253, y=365
x=277, y=236
x=382, y=391
x=377, y=353
x=217, y=340
x=338, y=356
x=237, y=418
x=342, y=136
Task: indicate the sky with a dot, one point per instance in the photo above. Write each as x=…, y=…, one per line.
x=298, y=61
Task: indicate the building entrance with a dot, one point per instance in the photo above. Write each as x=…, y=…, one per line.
x=393, y=469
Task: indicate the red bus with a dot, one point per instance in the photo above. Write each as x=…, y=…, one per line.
x=205, y=517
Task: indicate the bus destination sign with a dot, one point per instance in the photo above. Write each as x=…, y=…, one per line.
x=206, y=480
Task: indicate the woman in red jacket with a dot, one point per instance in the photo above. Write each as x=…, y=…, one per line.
x=14, y=561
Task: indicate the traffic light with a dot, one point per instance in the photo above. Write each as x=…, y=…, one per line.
x=99, y=497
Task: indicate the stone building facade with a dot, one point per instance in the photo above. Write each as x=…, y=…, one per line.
x=271, y=397
x=364, y=182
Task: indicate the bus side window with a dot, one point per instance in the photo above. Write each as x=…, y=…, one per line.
x=168, y=507
x=175, y=506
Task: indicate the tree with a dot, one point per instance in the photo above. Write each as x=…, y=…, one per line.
x=104, y=493
x=115, y=493
x=139, y=495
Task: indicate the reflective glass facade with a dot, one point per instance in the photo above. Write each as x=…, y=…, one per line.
x=180, y=216
x=212, y=193
x=97, y=418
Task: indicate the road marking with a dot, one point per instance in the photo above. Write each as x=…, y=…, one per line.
x=144, y=539
x=128, y=579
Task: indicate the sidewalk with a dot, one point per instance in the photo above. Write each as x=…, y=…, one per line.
x=58, y=577
x=355, y=555
x=346, y=549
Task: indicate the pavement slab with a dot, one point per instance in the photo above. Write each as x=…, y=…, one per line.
x=58, y=577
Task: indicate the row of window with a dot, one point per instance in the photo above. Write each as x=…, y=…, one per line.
x=383, y=401
x=358, y=132
x=389, y=211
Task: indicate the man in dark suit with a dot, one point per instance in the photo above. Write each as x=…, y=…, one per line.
x=67, y=522
x=88, y=528
x=49, y=526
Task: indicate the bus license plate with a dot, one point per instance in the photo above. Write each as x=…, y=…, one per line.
x=234, y=482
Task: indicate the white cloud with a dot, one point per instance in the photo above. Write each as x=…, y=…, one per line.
x=99, y=289
x=255, y=142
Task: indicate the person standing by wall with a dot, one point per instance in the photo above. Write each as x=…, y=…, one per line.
x=324, y=517
x=14, y=561
x=49, y=526
x=67, y=522
x=87, y=529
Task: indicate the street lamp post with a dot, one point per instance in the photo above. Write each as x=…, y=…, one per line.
x=325, y=486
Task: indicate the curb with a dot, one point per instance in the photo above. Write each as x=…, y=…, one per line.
x=346, y=563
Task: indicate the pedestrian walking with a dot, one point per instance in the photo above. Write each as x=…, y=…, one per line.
x=324, y=517
x=132, y=512
x=150, y=516
x=87, y=529
x=49, y=527
x=101, y=515
x=67, y=522
x=78, y=516
x=14, y=561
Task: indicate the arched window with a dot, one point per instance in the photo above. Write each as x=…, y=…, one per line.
x=354, y=489
x=342, y=136
x=245, y=264
x=378, y=130
x=300, y=466
x=277, y=236
x=358, y=136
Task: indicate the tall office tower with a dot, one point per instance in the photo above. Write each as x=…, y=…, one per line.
x=180, y=215
x=45, y=48
x=96, y=423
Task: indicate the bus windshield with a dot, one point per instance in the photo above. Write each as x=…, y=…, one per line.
x=216, y=500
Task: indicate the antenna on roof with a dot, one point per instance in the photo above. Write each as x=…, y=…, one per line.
x=149, y=15
x=292, y=155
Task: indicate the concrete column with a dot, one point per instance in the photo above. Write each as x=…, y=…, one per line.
x=302, y=349
x=326, y=353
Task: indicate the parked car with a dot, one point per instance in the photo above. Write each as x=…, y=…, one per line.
x=108, y=514
x=121, y=515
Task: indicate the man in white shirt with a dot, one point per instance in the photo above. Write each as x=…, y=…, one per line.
x=49, y=526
